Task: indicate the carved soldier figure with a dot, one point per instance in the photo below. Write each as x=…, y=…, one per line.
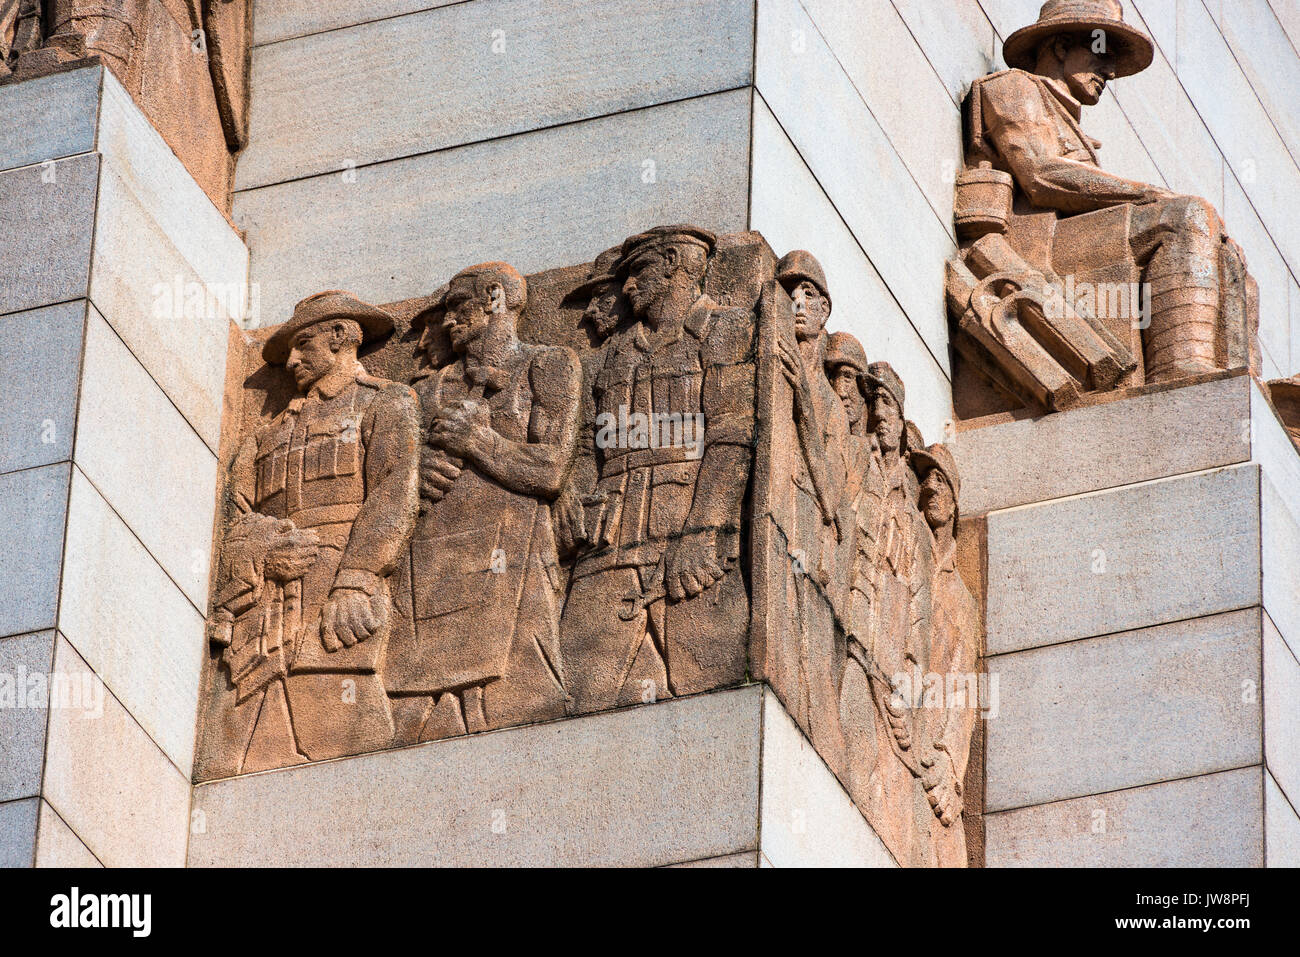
x=954, y=634
x=605, y=311
x=1065, y=216
x=324, y=499
x=663, y=607
x=20, y=30
x=500, y=427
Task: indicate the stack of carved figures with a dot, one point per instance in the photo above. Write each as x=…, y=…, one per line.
x=589, y=488
x=1072, y=280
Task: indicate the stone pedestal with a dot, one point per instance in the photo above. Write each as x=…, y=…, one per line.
x=1142, y=630
x=111, y=382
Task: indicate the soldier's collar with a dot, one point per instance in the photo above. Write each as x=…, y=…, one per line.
x=1066, y=98
x=331, y=384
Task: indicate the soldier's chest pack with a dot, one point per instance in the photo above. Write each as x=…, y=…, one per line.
x=315, y=440
x=666, y=379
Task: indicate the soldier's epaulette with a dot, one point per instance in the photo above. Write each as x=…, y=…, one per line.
x=373, y=383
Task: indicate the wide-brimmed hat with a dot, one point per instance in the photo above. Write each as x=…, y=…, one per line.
x=1132, y=50
x=602, y=274
x=324, y=306
x=802, y=265
x=661, y=236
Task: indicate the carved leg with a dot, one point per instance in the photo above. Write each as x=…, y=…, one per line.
x=600, y=649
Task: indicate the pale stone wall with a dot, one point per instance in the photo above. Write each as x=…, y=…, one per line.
x=110, y=407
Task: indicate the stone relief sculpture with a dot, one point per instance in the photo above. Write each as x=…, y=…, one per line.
x=199, y=47
x=1072, y=279
x=478, y=646
x=323, y=502
x=653, y=476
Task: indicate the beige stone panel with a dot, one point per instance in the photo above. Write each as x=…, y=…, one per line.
x=1121, y=148
x=924, y=127
x=1122, y=559
x=1267, y=58
x=1240, y=125
x=109, y=781
x=1209, y=821
x=57, y=845
x=1268, y=268
x=1160, y=20
x=23, y=712
x=1104, y=446
x=1007, y=16
x=47, y=216
x=18, y=833
x=848, y=152
x=792, y=212
x=670, y=782
x=48, y=117
x=957, y=39
x=539, y=200
x=168, y=310
x=1294, y=363
x=131, y=624
x=275, y=20
x=475, y=71
x=1288, y=14
x=1281, y=827
x=146, y=460
x=1103, y=714
x=808, y=820
x=1273, y=449
x=1280, y=533
x=33, y=506
x=747, y=859
x=1281, y=710
x=39, y=372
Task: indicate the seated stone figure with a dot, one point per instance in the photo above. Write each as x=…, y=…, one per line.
x=1037, y=216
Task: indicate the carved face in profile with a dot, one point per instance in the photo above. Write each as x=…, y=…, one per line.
x=603, y=311
x=886, y=421
x=649, y=279
x=844, y=380
x=937, y=501
x=468, y=314
x=811, y=310
x=1086, y=71
x=314, y=351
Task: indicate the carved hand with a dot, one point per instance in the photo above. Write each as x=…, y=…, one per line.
x=569, y=525
x=792, y=367
x=692, y=564
x=438, y=471
x=293, y=551
x=462, y=430
x=349, y=617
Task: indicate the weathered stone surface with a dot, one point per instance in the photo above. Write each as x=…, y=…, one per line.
x=1104, y=446
x=318, y=107
x=670, y=163
x=277, y=20
x=22, y=747
x=1281, y=827
x=1073, y=280
x=111, y=784
x=599, y=790
x=1125, y=710
x=808, y=820
x=1281, y=716
x=957, y=39
x=1208, y=821
x=18, y=832
x=57, y=845
x=1125, y=558
x=38, y=384
x=131, y=623
x=747, y=859
x=1280, y=550
x=33, y=506
x=47, y=216
x=48, y=118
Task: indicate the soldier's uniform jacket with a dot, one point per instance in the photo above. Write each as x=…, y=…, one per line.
x=341, y=460
x=1014, y=114
x=483, y=569
x=705, y=365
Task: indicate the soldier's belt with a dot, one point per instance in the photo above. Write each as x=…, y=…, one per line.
x=645, y=458
x=326, y=515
